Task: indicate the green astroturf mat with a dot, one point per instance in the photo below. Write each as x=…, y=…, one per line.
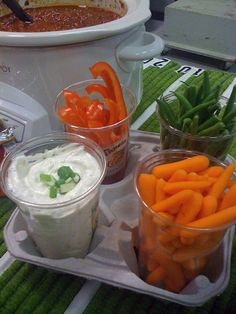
x=27, y=289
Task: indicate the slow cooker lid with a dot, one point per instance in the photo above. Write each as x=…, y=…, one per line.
x=135, y=13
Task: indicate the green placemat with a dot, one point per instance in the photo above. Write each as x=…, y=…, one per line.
x=26, y=289
x=6, y=209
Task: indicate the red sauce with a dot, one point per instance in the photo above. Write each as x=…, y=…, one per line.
x=56, y=18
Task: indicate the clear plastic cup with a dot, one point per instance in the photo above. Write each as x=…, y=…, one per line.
x=114, y=139
x=172, y=138
x=170, y=255
x=60, y=228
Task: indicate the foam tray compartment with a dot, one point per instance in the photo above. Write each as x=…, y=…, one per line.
x=111, y=258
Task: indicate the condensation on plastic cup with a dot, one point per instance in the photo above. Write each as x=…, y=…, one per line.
x=114, y=139
x=182, y=252
x=63, y=229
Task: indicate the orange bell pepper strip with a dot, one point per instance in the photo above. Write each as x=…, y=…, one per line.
x=97, y=88
x=109, y=76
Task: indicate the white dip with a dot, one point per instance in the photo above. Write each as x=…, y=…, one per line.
x=63, y=226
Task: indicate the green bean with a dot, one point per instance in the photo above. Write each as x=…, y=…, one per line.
x=213, y=130
x=196, y=109
x=227, y=118
x=191, y=94
x=230, y=102
x=204, y=88
x=166, y=112
x=208, y=123
x=184, y=101
x=194, y=124
x=214, y=93
x=186, y=124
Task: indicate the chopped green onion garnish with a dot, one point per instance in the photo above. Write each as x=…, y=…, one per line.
x=67, y=187
x=65, y=172
x=66, y=182
x=76, y=178
x=47, y=179
x=59, y=182
x=53, y=191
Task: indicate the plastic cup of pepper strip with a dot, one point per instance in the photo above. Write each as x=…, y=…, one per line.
x=97, y=116
x=191, y=134
x=172, y=251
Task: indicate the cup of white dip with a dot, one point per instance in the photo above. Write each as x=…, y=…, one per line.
x=54, y=180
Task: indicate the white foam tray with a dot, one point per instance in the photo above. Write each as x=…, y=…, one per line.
x=112, y=258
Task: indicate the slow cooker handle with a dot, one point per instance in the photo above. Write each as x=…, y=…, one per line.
x=139, y=46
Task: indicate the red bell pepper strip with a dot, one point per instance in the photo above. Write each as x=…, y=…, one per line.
x=70, y=116
x=109, y=76
x=113, y=117
x=72, y=99
x=96, y=112
x=97, y=88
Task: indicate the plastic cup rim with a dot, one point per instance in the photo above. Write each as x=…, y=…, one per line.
x=57, y=136
x=101, y=129
x=189, y=136
x=163, y=219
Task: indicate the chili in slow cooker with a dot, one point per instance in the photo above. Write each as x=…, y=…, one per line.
x=56, y=18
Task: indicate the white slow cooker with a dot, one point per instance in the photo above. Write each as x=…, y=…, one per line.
x=42, y=64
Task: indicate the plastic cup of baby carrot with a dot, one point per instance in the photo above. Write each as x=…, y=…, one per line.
x=187, y=203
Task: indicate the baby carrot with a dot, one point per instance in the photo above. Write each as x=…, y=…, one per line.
x=215, y=220
x=190, y=274
x=214, y=171
x=190, y=209
x=156, y=276
x=209, y=206
x=186, y=253
x=193, y=164
x=231, y=183
x=172, y=268
x=151, y=264
x=193, y=176
x=221, y=183
x=161, y=223
x=160, y=194
x=173, y=201
x=178, y=175
x=170, y=285
x=147, y=188
x=229, y=198
x=174, y=187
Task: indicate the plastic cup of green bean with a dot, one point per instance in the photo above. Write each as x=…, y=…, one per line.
x=207, y=125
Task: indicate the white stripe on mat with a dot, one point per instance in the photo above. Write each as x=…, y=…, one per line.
x=151, y=109
x=83, y=297
x=228, y=90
